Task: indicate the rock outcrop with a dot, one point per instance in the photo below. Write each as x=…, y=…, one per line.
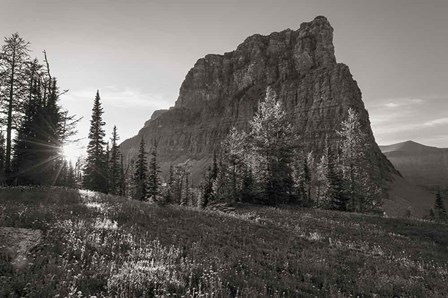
x=16, y=244
x=222, y=91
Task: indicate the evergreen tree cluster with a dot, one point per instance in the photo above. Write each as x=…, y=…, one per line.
x=178, y=189
x=265, y=165
x=148, y=185
x=103, y=169
x=33, y=126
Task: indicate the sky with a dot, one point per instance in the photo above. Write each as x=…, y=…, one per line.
x=138, y=52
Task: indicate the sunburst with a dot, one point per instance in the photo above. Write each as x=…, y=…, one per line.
x=72, y=152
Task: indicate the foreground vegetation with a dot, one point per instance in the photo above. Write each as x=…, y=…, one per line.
x=102, y=245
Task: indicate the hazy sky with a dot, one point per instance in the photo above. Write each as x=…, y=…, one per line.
x=138, y=52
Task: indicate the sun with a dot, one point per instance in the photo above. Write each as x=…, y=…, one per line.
x=72, y=152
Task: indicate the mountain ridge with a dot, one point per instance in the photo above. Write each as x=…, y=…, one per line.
x=422, y=165
x=409, y=146
x=223, y=91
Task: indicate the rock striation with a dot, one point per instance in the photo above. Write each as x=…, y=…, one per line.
x=222, y=91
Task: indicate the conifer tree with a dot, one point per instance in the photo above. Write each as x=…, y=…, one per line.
x=353, y=141
x=439, y=208
x=179, y=173
x=337, y=197
x=37, y=144
x=122, y=190
x=154, y=183
x=311, y=165
x=232, y=163
x=67, y=176
x=107, y=167
x=247, y=185
x=271, y=137
x=71, y=177
x=79, y=172
x=95, y=175
x=303, y=177
x=140, y=180
x=25, y=151
x=181, y=189
x=170, y=186
x=14, y=60
x=361, y=189
x=63, y=173
x=322, y=183
x=51, y=135
x=2, y=159
x=186, y=196
x=114, y=164
x=305, y=183
x=207, y=188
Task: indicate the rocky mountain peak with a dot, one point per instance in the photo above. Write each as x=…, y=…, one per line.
x=307, y=48
x=316, y=40
x=223, y=91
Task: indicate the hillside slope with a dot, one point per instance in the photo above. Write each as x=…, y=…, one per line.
x=404, y=197
x=421, y=165
x=100, y=245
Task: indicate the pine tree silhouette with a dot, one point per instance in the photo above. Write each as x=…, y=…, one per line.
x=95, y=176
x=141, y=174
x=439, y=208
x=114, y=164
x=154, y=182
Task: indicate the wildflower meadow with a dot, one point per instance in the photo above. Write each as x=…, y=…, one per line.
x=96, y=245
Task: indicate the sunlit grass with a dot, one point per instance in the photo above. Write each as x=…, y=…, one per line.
x=108, y=246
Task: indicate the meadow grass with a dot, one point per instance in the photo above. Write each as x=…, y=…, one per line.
x=107, y=246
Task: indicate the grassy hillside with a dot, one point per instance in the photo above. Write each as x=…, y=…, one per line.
x=107, y=246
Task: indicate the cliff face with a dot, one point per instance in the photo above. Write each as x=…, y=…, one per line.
x=222, y=91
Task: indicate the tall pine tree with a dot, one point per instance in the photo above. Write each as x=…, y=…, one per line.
x=338, y=199
x=272, y=138
x=169, y=194
x=14, y=61
x=140, y=180
x=51, y=135
x=95, y=175
x=322, y=182
x=362, y=191
x=123, y=185
x=232, y=161
x=114, y=165
x=154, y=183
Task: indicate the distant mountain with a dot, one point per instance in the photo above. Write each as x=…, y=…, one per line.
x=420, y=164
